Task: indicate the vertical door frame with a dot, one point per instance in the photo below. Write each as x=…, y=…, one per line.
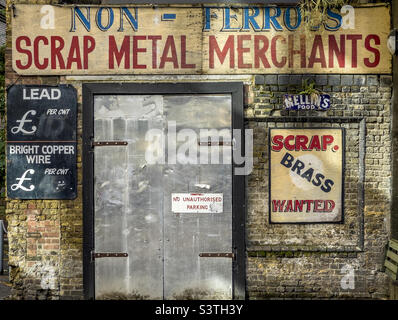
x=238, y=181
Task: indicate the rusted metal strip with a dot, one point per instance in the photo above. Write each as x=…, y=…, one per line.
x=217, y=255
x=109, y=143
x=214, y=143
x=97, y=255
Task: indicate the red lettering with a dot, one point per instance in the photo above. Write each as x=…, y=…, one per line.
x=184, y=64
x=74, y=54
x=88, y=47
x=259, y=53
x=56, y=54
x=301, y=142
x=292, y=51
x=308, y=202
x=298, y=206
x=279, y=64
x=332, y=205
x=334, y=50
x=317, y=46
x=154, y=49
x=326, y=140
x=169, y=46
x=221, y=54
x=136, y=49
x=287, y=145
x=119, y=55
x=289, y=206
x=278, y=205
x=354, y=48
x=18, y=63
x=317, y=206
x=278, y=144
x=375, y=51
x=36, y=53
x=315, y=143
x=241, y=50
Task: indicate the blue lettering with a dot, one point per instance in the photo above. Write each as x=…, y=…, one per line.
x=99, y=19
x=335, y=17
x=207, y=19
x=85, y=21
x=227, y=20
x=132, y=20
x=287, y=19
x=268, y=19
x=249, y=19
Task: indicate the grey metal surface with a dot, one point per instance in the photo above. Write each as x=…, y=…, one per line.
x=133, y=201
x=188, y=276
x=128, y=202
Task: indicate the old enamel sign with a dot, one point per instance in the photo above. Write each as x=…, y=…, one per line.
x=197, y=202
x=306, y=175
x=306, y=102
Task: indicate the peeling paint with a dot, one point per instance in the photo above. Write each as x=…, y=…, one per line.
x=47, y=274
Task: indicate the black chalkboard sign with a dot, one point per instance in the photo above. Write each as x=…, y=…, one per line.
x=41, y=142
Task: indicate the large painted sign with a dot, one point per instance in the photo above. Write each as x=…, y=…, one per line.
x=191, y=40
x=41, y=142
x=306, y=175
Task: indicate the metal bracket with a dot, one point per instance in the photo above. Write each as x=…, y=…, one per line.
x=108, y=143
x=214, y=143
x=217, y=255
x=96, y=255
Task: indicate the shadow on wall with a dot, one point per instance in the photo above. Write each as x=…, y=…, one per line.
x=319, y=261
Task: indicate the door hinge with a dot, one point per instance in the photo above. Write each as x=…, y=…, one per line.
x=217, y=255
x=96, y=255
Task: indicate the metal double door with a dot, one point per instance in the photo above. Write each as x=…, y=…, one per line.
x=146, y=148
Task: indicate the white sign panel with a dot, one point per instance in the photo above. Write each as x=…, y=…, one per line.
x=306, y=175
x=197, y=202
x=64, y=40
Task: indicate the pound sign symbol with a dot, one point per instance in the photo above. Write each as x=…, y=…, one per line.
x=21, y=180
x=22, y=122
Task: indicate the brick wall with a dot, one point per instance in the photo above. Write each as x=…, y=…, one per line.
x=287, y=261
x=307, y=261
x=45, y=236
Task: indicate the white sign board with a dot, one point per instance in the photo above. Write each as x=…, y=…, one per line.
x=306, y=175
x=65, y=40
x=197, y=202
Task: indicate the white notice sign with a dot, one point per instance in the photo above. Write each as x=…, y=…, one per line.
x=197, y=202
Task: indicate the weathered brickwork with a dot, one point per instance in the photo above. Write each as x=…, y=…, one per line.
x=307, y=261
x=284, y=261
x=45, y=236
